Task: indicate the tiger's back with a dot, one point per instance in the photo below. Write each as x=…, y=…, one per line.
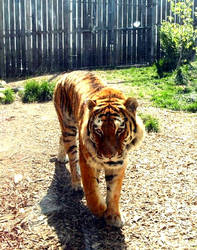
x=108, y=128
x=74, y=89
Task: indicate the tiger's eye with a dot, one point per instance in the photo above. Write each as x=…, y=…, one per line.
x=120, y=130
x=98, y=131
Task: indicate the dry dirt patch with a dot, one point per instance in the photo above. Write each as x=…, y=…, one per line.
x=40, y=211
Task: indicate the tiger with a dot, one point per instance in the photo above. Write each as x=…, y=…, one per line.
x=99, y=126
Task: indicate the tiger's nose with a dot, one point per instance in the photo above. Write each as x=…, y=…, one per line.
x=109, y=151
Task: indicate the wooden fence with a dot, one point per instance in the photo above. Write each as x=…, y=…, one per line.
x=39, y=36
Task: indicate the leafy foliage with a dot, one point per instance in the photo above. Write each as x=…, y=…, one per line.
x=151, y=123
x=45, y=91
x=35, y=91
x=9, y=96
x=31, y=92
x=177, y=39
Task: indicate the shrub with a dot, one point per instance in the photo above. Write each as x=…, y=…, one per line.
x=45, y=91
x=180, y=77
x=151, y=123
x=177, y=39
x=192, y=107
x=35, y=91
x=31, y=92
x=8, y=96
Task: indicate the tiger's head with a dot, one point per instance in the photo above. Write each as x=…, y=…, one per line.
x=113, y=127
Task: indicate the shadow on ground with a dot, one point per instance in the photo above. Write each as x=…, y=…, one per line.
x=74, y=224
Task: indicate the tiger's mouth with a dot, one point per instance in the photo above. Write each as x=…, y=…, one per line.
x=114, y=163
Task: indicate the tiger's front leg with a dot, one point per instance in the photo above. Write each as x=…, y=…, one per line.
x=114, y=180
x=89, y=175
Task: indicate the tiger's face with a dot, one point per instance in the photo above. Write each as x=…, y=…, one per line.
x=112, y=130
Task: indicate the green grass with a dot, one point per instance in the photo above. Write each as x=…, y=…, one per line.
x=151, y=123
x=37, y=91
x=9, y=96
x=166, y=92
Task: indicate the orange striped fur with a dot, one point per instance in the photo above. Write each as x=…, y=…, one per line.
x=107, y=127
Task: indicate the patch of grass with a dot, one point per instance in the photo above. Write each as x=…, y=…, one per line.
x=151, y=123
x=37, y=91
x=9, y=96
x=174, y=91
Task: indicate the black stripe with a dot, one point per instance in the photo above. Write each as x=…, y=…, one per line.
x=65, y=134
x=135, y=125
x=114, y=163
x=110, y=177
x=71, y=148
x=93, y=144
x=73, y=128
x=109, y=114
x=74, y=152
x=66, y=141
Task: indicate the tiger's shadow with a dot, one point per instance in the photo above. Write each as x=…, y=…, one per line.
x=74, y=224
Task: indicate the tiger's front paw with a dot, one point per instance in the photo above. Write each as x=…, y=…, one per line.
x=62, y=158
x=77, y=186
x=99, y=209
x=113, y=220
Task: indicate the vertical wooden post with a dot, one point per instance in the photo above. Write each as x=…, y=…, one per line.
x=2, y=62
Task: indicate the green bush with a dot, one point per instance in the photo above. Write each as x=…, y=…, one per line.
x=31, y=92
x=180, y=77
x=45, y=91
x=192, y=107
x=151, y=123
x=9, y=96
x=178, y=40
x=37, y=92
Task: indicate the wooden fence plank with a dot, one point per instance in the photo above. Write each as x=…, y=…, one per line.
x=109, y=33
x=12, y=38
x=50, y=18
x=143, y=25
x=114, y=32
x=45, y=43
x=39, y=37
x=79, y=27
x=18, y=38
x=23, y=39
x=34, y=36
x=60, y=35
x=149, y=31
x=2, y=62
x=125, y=25
x=104, y=33
x=55, y=42
x=134, y=47
x=99, y=33
x=94, y=11
x=130, y=22
x=67, y=46
x=74, y=45
x=7, y=38
x=29, y=37
x=139, y=32
x=120, y=25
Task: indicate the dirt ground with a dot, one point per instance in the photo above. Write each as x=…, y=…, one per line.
x=40, y=211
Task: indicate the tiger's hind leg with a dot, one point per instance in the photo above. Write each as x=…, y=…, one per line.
x=68, y=146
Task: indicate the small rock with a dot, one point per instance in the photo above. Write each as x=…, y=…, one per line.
x=2, y=96
x=2, y=89
x=18, y=178
x=2, y=84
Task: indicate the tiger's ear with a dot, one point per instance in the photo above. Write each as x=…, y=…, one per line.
x=131, y=104
x=91, y=104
